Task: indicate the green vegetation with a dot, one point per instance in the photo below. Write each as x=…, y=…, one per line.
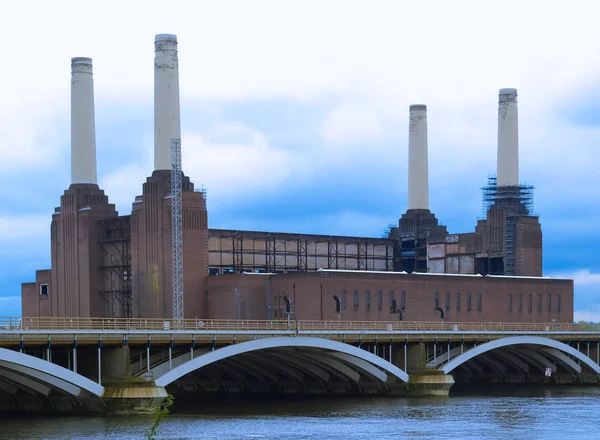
x=588, y=326
x=161, y=412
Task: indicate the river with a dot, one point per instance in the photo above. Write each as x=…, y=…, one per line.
x=557, y=413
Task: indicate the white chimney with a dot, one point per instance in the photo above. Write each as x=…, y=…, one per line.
x=83, y=129
x=508, y=138
x=418, y=179
x=166, y=99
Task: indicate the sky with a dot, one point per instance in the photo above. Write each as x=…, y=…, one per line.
x=295, y=115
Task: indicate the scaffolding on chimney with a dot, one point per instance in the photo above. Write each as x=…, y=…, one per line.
x=114, y=237
x=515, y=201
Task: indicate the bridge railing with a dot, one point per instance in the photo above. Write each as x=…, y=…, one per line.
x=220, y=325
x=433, y=326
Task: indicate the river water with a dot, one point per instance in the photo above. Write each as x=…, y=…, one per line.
x=558, y=413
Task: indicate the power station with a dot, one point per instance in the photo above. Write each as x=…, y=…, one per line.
x=163, y=261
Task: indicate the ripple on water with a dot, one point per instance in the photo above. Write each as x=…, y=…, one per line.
x=562, y=413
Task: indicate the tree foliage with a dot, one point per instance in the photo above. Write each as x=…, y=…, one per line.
x=588, y=326
x=161, y=413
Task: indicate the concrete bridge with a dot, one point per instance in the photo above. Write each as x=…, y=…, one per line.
x=129, y=365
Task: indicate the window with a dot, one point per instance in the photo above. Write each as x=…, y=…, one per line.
x=379, y=300
x=549, y=303
x=275, y=312
x=458, y=302
x=403, y=301
x=436, y=299
x=520, y=303
x=468, y=302
x=479, y=301
x=447, y=300
x=368, y=299
x=44, y=289
x=530, y=304
x=510, y=302
x=392, y=302
x=356, y=300
x=343, y=301
x=539, y=303
x=558, y=303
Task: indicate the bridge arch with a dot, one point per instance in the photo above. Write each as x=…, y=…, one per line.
x=40, y=375
x=368, y=363
x=546, y=343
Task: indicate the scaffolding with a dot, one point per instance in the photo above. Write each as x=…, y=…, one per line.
x=516, y=201
x=176, y=229
x=232, y=251
x=387, y=232
x=114, y=237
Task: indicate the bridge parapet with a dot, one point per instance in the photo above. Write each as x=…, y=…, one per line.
x=295, y=326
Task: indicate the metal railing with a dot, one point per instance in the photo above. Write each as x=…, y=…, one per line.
x=295, y=326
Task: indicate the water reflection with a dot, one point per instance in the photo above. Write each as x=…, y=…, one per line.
x=512, y=414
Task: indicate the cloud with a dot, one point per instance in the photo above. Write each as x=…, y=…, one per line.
x=587, y=315
x=345, y=222
x=17, y=228
x=123, y=184
x=293, y=126
x=355, y=119
x=582, y=277
x=235, y=161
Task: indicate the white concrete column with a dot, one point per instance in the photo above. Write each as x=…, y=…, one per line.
x=418, y=178
x=166, y=99
x=83, y=127
x=508, y=138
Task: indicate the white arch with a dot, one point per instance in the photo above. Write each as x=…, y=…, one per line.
x=277, y=342
x=361, y=365
x=519, y=340
x=60, y=374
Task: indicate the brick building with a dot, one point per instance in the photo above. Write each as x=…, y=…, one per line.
x=106, y=265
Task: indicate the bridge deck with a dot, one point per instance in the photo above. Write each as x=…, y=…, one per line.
x=89, y=331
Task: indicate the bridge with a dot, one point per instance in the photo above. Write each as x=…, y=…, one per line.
x=129, y=365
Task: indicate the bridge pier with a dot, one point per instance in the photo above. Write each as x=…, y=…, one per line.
x=124, y=394
x=425, y=381
x=430, y=383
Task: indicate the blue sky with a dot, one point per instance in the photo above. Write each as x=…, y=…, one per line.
x=295, y=115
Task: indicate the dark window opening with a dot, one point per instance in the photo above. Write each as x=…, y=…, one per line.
x=520, y=303
x=379, y=300
x=392, y=302
x=530, y=304
x=447, y=300
x=458, y=302
x=468, y=302
x=558, y=303
x=479, y=302
x=510, y=302
x=343, y=301
x=368, y=299
x=436, y=299
x=356, y=300
x=44, y=289
x=539, y=303
x=403, y=301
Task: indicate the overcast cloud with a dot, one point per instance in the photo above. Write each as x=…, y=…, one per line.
x=295, y=114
